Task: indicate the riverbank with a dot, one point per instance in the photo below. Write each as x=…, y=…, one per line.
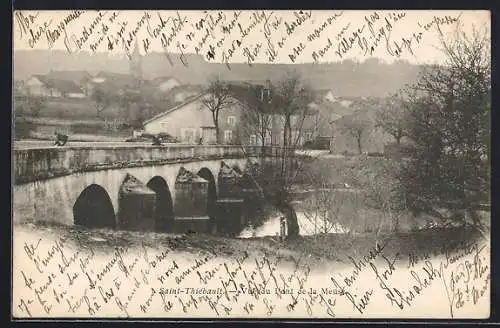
x=137, y=274
x=325, y=247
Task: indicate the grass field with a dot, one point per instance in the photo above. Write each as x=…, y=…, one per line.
x=43, y=128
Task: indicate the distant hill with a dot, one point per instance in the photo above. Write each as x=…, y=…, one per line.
x=370, y=78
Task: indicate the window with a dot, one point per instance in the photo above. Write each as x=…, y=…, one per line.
x=231, y=120
x=268, y=140
x=228, y=136
x=265, y=95
x=308, y=136
x=253, y=139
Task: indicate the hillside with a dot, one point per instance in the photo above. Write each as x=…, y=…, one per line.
x=346, y=79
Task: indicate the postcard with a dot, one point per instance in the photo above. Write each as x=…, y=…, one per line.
x=286, y=164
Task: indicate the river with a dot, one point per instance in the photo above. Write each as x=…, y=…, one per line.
x=318, y=211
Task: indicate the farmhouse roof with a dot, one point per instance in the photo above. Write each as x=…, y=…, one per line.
x=117, y=78
x=165, y=113
x=261, y=83
x=116, y=81
x=74, y=76
x=321, y=93
x=185, y=88
x=160, y=79
x=64, y=86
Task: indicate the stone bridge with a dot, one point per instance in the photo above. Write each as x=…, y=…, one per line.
x=133, y=187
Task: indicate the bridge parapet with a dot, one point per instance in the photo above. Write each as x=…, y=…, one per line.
x=44, y=163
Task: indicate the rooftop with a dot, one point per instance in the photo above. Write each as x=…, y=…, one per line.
x=74, y=76
x=162, y=114
x=64, y=86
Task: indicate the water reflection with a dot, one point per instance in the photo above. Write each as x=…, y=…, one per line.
x=307, y=227
x=315, y=209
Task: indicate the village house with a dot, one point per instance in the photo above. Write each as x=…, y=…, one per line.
x=259, y=126
x=114, y=83
x=178, y=94
x=81, y=78
x=192, y=122
x=326, y=124
x=304, y=128
x=308, y=126
x=121, y=83
x=187, y=122
x=326, y=95
x=45, y=86
x=164, y=83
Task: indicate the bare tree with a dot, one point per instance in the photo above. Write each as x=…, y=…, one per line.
x=392, y=117
x=132, y=104
x=318, y=119
x=101, y=101
x=256, y=118
x=357, y=126
x=291, y=99
x=218, y=98
x=285, y=112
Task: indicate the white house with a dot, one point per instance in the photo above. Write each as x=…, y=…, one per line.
x=192, y=122
x=330, y=96
x=325, y=95
x=165, y=83
x=188, y=122
x=346, y=103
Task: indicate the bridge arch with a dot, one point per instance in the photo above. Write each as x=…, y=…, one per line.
x=53, y=199
x=206, y=174
x=164, y=210
x=93, y=208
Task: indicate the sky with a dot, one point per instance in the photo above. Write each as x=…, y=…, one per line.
x=250, y=36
